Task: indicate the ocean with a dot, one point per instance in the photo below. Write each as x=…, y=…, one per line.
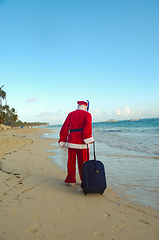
x=129, y=151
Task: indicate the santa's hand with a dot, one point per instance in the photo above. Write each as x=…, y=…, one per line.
x=62, y=144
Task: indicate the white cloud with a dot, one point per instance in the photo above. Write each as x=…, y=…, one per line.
x=58, y=113
x=118, y=112
x=125, y=111
x=45, y=114
x=148, y=113
x=95, y=112
x=31, y=100
x=140, y=111
x=67, y=111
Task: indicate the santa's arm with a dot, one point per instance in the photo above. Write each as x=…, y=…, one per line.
x=87, y=130
x=64, y=133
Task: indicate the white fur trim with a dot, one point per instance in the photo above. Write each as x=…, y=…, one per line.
x=89, y=140
x=77, y=146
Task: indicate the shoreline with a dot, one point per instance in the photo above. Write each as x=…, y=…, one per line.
x=35, y=202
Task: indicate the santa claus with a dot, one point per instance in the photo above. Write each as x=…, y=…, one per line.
x=76, y=135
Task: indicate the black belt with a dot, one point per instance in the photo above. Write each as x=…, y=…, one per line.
x=76, y=130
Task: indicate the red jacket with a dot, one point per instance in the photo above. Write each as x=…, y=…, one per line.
x=78, y=119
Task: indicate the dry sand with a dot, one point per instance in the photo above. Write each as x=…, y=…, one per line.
x=36, y=204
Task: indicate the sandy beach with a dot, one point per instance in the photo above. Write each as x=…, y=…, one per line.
x=36, y=204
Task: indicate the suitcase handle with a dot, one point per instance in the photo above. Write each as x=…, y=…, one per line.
x=93, y=151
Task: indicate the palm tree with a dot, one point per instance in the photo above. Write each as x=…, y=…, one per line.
x=7, y=115
x=13, y=116
x=6, y=111
x=3, y=115
x=2, y=96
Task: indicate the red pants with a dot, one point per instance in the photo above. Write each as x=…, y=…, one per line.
x=71, y=164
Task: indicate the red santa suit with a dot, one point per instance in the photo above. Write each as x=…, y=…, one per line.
x=75, y=134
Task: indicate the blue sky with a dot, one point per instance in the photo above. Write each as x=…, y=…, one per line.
x=56, y=52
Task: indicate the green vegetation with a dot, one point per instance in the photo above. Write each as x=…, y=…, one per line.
x=9, y=117
x=32, y=124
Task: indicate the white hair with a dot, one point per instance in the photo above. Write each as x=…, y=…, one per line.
x=82, y=107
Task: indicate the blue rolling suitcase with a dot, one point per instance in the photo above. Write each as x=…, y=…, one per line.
x=93, y=176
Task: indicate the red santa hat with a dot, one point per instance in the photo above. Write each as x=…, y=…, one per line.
x=82, y=103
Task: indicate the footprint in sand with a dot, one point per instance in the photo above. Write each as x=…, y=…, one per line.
x=36, y=218
x=105, y=214
x=74, y=207
x=42, y=197
x=84, y=203
x=126, y=215
x=60, y=236
x=14, y=212
x=55, y=236
x=17, y=204
x=50, y=196
x=33, y=231
x=94, y=231
x=119, y=229
x=58, y=210
x=14, y=189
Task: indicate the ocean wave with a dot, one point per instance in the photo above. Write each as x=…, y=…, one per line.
x=130, y=142
x=113, y=130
